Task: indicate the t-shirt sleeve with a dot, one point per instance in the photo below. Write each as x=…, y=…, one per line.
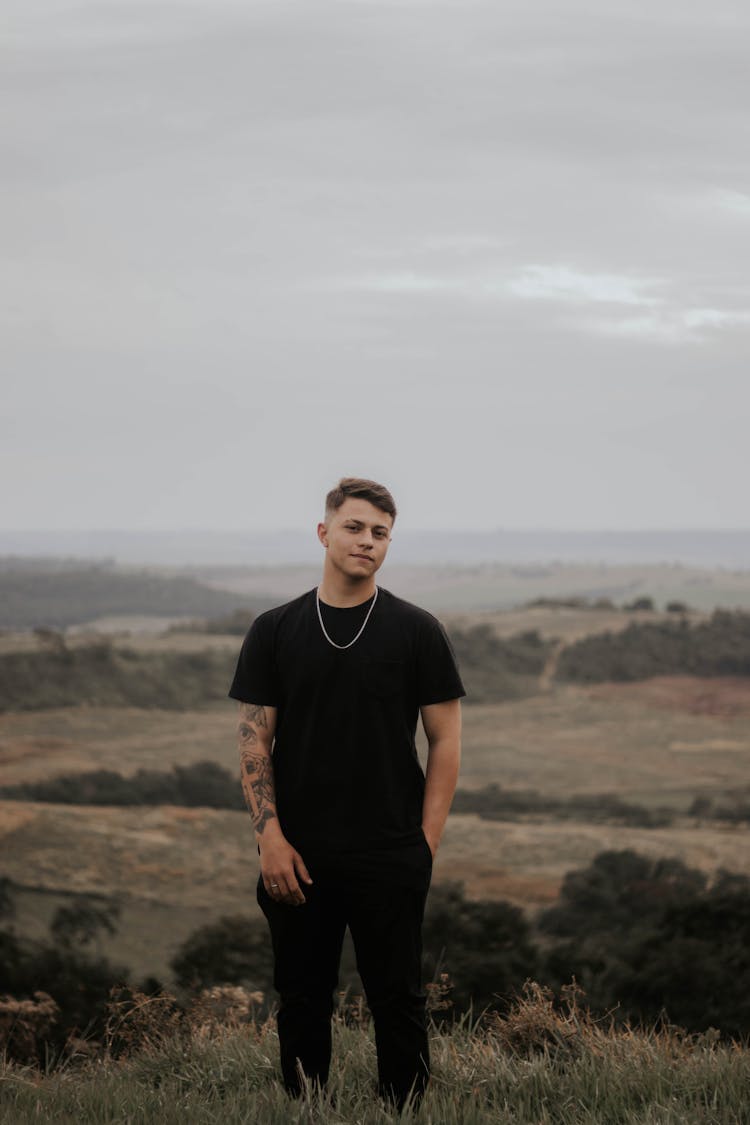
x=255, y=679
x=438, y=678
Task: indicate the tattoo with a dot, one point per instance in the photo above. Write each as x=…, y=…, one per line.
x=262, y=821
x=252, y=717
x=248, y=734
x=258, y=788
x=256, y=768
x=254, y=713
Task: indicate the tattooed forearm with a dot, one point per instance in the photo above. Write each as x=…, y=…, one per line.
x=256, y=766
x=257, y=786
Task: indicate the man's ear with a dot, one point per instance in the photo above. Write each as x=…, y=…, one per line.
x=323, y=534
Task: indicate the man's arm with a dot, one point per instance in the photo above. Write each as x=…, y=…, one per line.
x=280, y=865
x=442, y=725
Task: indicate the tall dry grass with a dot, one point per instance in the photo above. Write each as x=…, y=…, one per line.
x=546, y=1062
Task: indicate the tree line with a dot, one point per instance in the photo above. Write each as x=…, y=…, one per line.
x=60, y=674
x=211, y=785
x=106, y=675
x=717, y=647
x=494, y=668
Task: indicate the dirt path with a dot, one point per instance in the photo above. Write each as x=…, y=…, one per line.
x=550, y=668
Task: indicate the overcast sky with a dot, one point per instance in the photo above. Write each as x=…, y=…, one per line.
x=493, y=254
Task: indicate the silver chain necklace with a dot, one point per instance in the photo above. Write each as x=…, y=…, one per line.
x=361, y=631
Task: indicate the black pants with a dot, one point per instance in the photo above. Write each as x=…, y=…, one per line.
x=380, y=895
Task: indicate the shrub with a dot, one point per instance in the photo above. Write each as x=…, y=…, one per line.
x=81, y=923
x=485, y=947
x=236, y=950
x=619, y=889
x=536, y=1024
x=650, y=937
x=78, y=983
x=25, y=1024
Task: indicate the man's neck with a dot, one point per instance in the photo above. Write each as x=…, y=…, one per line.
x=337, y=590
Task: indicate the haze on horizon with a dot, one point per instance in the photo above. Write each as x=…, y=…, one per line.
x=494, y=255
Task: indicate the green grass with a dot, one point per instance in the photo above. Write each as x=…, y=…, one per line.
x=535, y=1067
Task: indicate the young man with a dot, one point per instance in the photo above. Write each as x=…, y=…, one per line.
x=331, y=686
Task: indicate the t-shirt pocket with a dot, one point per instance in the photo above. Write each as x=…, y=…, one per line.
x=383, y=677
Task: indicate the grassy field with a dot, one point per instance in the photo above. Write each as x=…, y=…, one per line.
x=656, y=742
x=660, y=742
x=535, y=1067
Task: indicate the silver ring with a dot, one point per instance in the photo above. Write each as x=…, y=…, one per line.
x=274, y=885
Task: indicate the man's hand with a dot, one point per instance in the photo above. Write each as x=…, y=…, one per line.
x=282, y=868
x=432, y=844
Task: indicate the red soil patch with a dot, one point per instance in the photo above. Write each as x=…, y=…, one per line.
x=724, y=697
x=484, y=882
x=14, y=750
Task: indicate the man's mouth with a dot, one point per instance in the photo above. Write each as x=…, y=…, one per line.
x=368, y=558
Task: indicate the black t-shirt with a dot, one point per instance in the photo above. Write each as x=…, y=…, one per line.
x=345, y=763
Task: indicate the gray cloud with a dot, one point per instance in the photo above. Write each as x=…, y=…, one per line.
x=248, y=246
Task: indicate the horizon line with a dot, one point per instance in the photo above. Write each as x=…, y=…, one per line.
x=432, y=530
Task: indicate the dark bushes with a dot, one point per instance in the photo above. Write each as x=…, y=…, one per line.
x=60, y=968
x=492, y=802
x=101, y=674
x=718, y=647
x=485, y=947
x=733, y=806
x=204, y=784
x=496, y=668
x=650, y=937
x=234, y=950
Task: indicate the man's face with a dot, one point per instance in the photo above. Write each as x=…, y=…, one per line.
x=357, y=537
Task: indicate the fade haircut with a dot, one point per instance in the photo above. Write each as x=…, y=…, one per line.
x=362, y=489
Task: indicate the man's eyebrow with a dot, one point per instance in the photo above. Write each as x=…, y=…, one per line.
x=361, y=523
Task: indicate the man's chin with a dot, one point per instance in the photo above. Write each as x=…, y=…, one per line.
x=362, y=568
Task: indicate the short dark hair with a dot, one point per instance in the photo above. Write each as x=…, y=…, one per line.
x=377, y=494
